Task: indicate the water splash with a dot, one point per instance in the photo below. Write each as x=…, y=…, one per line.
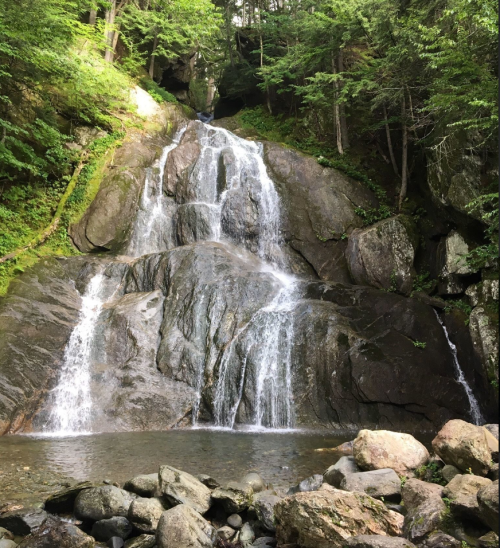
x=474, y=410
x=72, y=399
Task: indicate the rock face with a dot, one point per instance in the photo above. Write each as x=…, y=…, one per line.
x=374, y=450
x=179, y=487
x=382, y=255
x=100, y=503
x=463, y=445
x=487, y=498
x=183, y=526
x=326, y=518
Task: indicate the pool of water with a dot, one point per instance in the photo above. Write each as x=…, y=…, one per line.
x=282, y=458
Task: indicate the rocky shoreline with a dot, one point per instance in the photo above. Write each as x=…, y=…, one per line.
x=385, y=491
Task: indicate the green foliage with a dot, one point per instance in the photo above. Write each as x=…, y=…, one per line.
x=432, y=473
x=419, y=344
x=371, y=216
x=422, y=282
x=459, y=304
x=158, y=93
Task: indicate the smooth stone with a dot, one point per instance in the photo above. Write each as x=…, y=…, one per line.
x=99, y=503
x=179, y=487
x=246, y=535
x=145, y=485
x=255, y=481
x=226, y=532
x=210, y=482
x=449, y=472
x=144, y=514
x=182, y=526
x=264, y=507
x=342, y=468
x=383, y=483
x=117, y=526
x=234, y=520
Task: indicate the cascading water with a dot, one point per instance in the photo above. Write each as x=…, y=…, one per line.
x=72, y=400
x=475, y=412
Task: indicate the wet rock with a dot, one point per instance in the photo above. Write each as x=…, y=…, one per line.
x=377, y=449
x=264, y=504
x=490, y=540
x=100, y=503
x=309, y=484
x=63, y=501
x=463, y=445
x=234, y=497
x=340, y=470
x=395, y=239
x=179, y=487
x=105, y=529
x=23, y=521
x=235, y=521
x=449, y=472
x=487, y=498
x=146, y=485
x=462, y=492
x=226, y=532
x=144, y=514
x=142, y=541
x=329, y=516
x=425, y=509
x=255, y=481
x=440, y=540
x=383, y=483
x=210, y=482
x=183, y=526
x=246, y=535
x=57, y=533
x=378, y=541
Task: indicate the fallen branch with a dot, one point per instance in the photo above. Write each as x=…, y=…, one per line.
x=42, y=236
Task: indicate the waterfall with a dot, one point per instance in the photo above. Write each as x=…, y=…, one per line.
x=72, y=399
x=475, y=412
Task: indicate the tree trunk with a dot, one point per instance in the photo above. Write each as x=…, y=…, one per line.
x=336, y=111
x=389, y=144
x=153, y=55
x=109, y=32
x=92, y=17
x=404, y=166
x=343, y=120
x=210, y=94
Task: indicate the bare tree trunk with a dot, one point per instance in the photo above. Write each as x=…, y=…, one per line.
x=153, y=55
x=109, y=32
x=343, y=120
x=404, y=166
x=210, y=93
x=92, y=17
x=336, y=111
x=389, y=144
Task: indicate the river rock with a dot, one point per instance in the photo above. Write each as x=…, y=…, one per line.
x=6, y=543
x=264, y=541
x=395, y=239
x=183, y=526
x=210, y=482
x=493, y=473
x=464, y=445
x=382, y=483
x=179, y=487
x=490, y=540
x=23, y=521
x=340, y=470
x=440, y=540
x=326, y=518
x=234, y=497
x=145, y=513
x=105, y=529
x=376, y=449
x=115, y=542
x=55, y=533
x=462, y=492
x=449, y=472
x=226, y=532
x=309, y=484
x=246, y=535
x=425, y=509
x=264, y=504
x=255, y=481
x=142, y=541
x=487, y=498
x=99, y=503
x=234, y=520
x=146, y=485
x=63, y=501
x=492, y=429
x=378, y=541
x=6, y=534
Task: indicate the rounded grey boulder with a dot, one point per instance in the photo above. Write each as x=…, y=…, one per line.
x=255, y=481
x=100, y=503
x=117, y=526
x=183, y=526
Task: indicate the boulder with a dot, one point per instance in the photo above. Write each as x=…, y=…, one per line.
x=182, y=488
x=484, y=334
x=326, y=518
x=142, y=541
x=115, y=542
x=235, y=521
x=105, y=529
x=440, y=540
x=23, y=521
x=492, y=441
x=5, y=534
x=144, y=514
x=234, y=497
x=383, y=483
x=264, y=541
x=183, y=526
x=57, y=533
x=341, y=469
x=463, y=445
x=376, y=449
x=210, y=482
x=449, y=472
x=226, y=532
x=145, y=485
x=490, y=540
x=246, y=535
x=462, y=491
x=493, y=473
x=98, y=503
x=378, y=541
x=309, y=484
x=452, y=250
x=492, y=429
x=7, y=543
x=425, y=509
x=255, y=481
x=64, y=501
x=487, y=498
x=396, y=240
x=264, y=504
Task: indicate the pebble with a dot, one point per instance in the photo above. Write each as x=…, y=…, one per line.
x=235, y=521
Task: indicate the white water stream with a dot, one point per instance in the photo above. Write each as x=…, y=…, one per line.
x=474, y=410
